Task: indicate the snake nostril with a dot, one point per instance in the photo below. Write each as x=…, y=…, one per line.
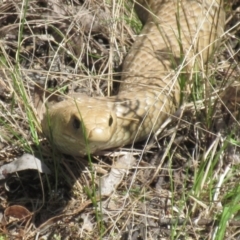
x=76, y=123
x=110, y=121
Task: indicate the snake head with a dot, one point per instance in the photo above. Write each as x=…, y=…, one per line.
x=79, y=127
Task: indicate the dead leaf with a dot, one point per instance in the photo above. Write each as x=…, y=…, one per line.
x=87, y=224
x=119, y=169
x=17, y=213
x=25, y=162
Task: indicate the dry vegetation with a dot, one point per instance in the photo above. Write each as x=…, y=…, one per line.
x=183, y=185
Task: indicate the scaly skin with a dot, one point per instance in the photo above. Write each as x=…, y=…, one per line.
x=175, y=34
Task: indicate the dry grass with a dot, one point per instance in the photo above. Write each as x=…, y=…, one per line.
x=184, y=185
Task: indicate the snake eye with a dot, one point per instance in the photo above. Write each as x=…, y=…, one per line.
x=76, y=123
x=110, y=121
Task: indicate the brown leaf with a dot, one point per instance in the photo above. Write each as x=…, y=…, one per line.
x=17, y=212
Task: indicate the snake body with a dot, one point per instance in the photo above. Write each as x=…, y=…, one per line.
x=177, y=34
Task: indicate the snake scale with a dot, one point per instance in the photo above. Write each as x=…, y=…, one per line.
x=177, y=34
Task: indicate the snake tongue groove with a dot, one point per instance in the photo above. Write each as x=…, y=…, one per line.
x=176, y=35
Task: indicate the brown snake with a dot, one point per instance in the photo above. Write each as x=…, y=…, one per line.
x=177, y=35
